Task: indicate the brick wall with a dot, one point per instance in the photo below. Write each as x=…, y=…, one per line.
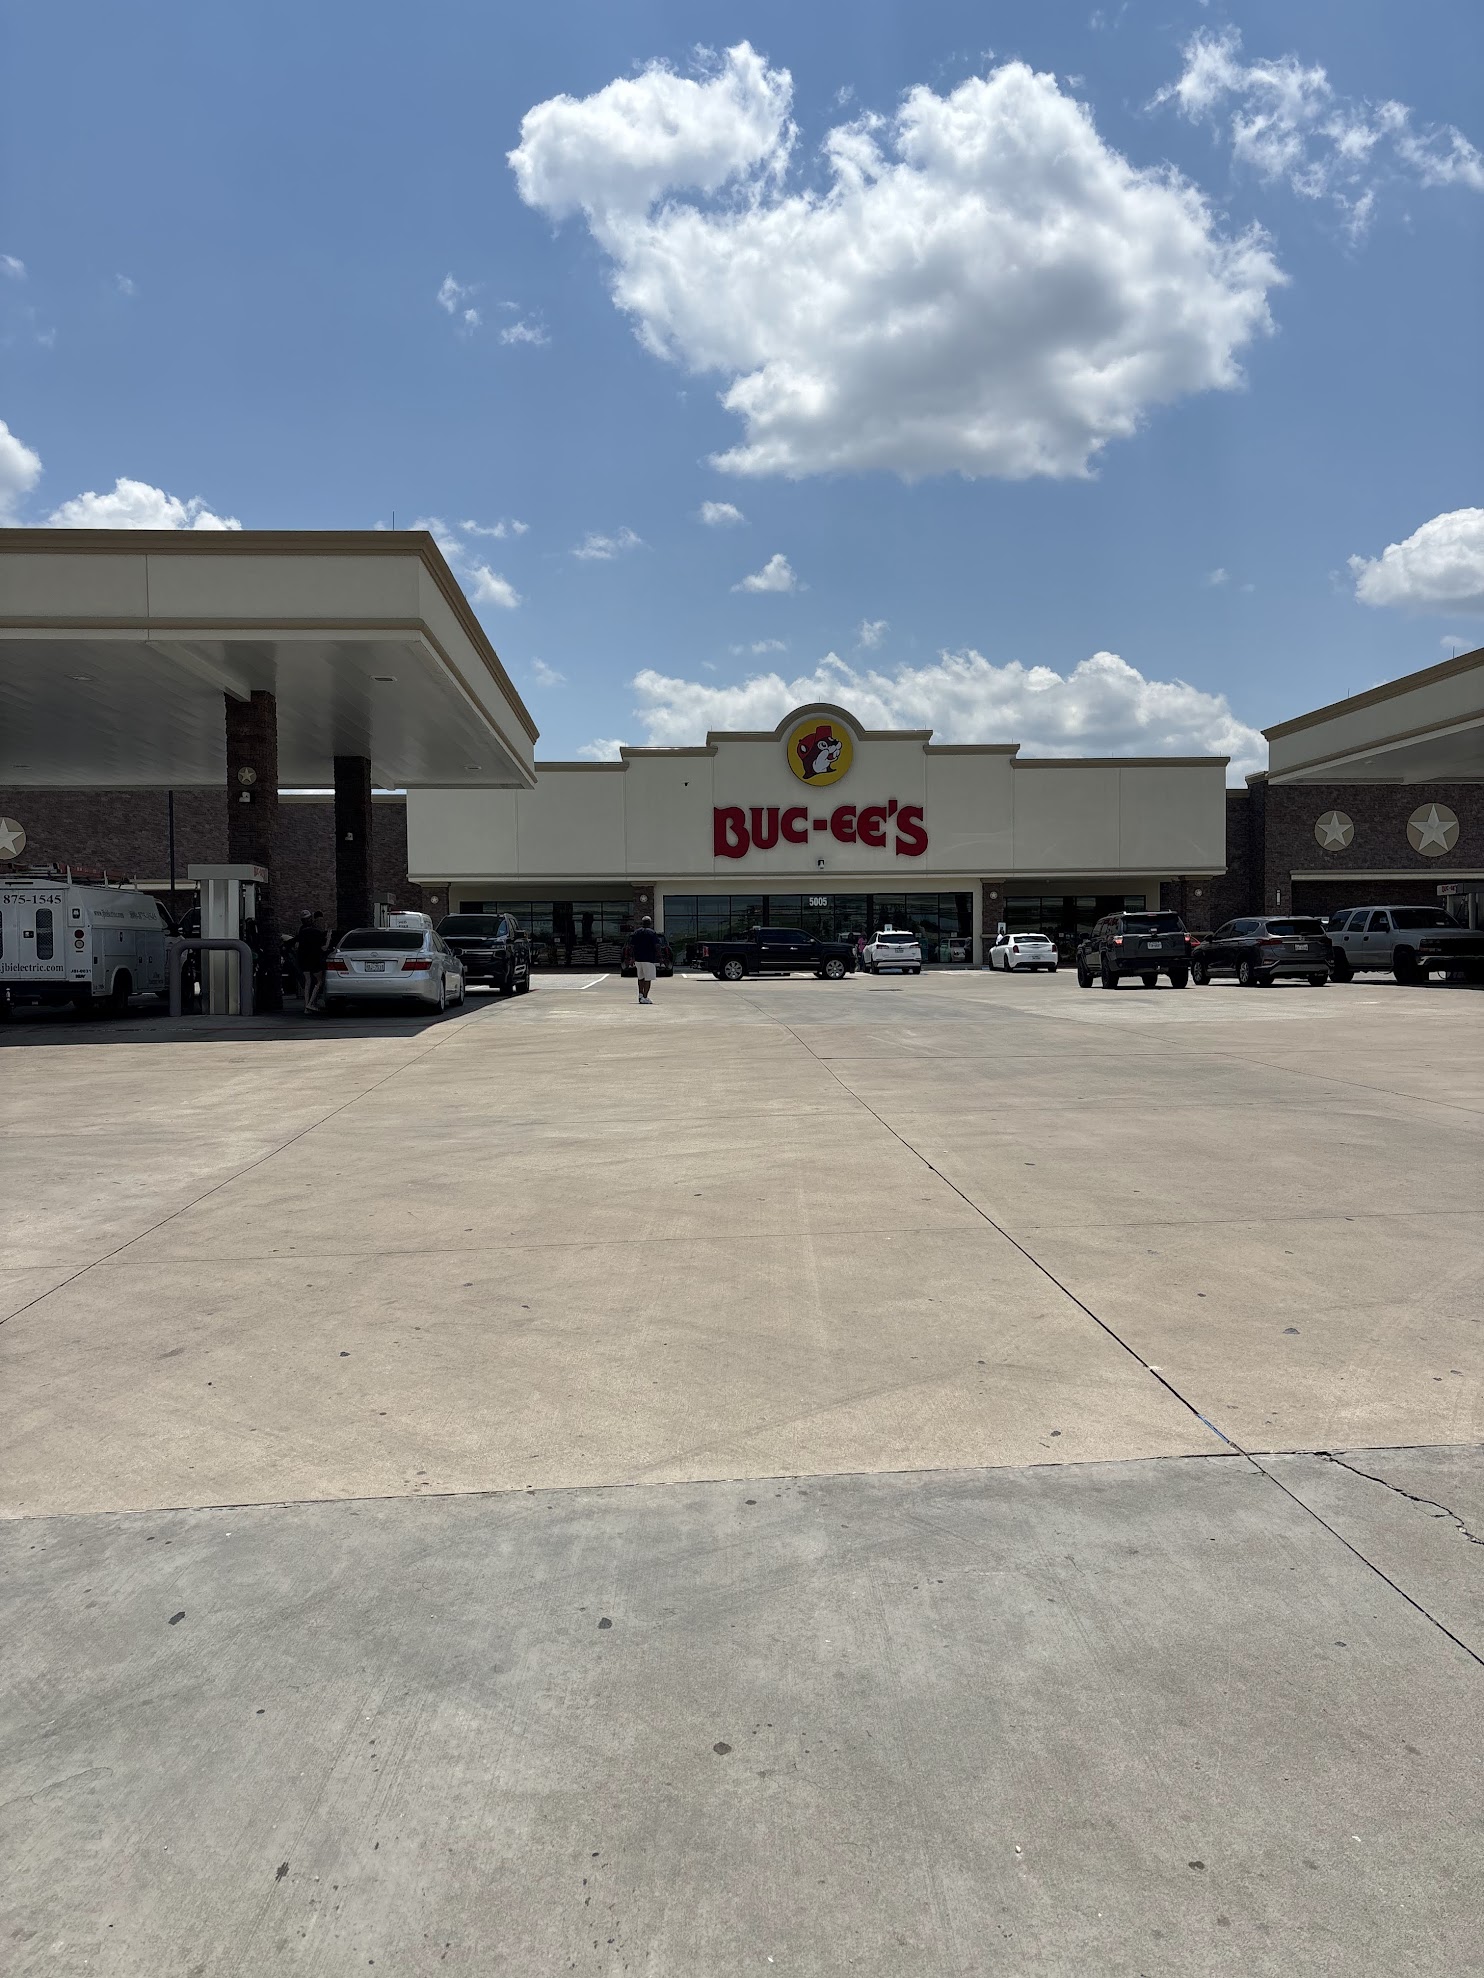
x=1379, y=812
x=126, y=832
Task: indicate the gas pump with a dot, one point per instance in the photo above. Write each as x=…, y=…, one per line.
x=230, y=898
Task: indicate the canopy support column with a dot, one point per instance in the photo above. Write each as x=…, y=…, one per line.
x=252, y=824
x=354, y=905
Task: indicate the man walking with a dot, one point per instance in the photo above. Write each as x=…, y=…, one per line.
x=645, y=944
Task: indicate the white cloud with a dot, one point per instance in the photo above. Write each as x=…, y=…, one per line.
x=481, y=585
x=486, y=587
x=719, y=514
x=499, y=530
x=1103, y=706
x=1287, y=122
x=602, y=549
x=981, y=285
x=20, y=470
x=600, y=750
x=1216, y=578
x=870, y=632
x=451, y=294
x=522, y=331
x=14, y=268
x=125, y=285
x=471, y=319
x=546, y=676
x=137, y=505
x=1439, y=567
x=777, y=574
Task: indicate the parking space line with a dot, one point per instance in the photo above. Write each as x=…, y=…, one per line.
x=594, y=983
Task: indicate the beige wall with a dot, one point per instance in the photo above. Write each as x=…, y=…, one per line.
x=986, y=812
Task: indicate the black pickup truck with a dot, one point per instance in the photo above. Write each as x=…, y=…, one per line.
x=776, y=951
x=493, y=949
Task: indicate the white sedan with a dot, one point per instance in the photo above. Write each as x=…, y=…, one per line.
x=394, y=964
x=892, y=947
x=1023, y=951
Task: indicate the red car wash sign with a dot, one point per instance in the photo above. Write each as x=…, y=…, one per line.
x=819, y=752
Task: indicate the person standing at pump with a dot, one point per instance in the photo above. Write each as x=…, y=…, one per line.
x=645, y=944
x=309, y=953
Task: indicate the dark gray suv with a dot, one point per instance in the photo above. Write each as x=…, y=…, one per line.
x=1257, y=950
x=1146, y=945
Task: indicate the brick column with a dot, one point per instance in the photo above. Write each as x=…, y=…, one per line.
x=994, y=911
x=252, y=821
x=642, y=901
x=354, y=903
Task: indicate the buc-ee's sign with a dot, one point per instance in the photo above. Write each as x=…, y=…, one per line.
x=819, y=752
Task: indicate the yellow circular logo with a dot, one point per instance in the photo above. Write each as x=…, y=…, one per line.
x=819, y=751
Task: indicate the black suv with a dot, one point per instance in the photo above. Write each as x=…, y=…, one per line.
x=1147, y=945
x=1258, y=950
x=492, y=948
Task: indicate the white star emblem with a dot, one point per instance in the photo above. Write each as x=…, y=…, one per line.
x=12, y=838
x=1432, y=830
x=1334, y=831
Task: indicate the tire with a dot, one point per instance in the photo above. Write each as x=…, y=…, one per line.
x=1053, y=968
x=731, y=971
x=1247, y=974
x=1150, y=981
x=1084, y=975
x=1340, y=969
x=1179, y=977
x=1404, y=967
x=834, y=969
x=120, y=992
x=915, y=971
x=81, y=1000
x=523, y=987
x=442, y=1004
x=507, y=981
x=1200, y=975
x=1318, y=981
x=1106, y=975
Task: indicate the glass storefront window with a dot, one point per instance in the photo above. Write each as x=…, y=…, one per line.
x=943, y=922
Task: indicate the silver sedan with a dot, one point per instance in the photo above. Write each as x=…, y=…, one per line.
x=394, y=964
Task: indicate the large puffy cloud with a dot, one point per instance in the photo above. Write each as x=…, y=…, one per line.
x=982, y=285
x=1286, y=121
x=137, y=505
x=20, y=470
x=1439, y=567
x=1103, y=706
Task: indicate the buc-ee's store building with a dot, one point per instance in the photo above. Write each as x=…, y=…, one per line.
x=822, y=824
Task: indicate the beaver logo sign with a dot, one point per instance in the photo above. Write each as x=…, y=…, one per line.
x=819, y=751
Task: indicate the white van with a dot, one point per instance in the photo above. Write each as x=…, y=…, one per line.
x=66, y=941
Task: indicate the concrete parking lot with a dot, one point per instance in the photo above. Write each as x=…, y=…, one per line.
x=940, y=1475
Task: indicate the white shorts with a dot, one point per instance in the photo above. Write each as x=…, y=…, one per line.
x=644, y=971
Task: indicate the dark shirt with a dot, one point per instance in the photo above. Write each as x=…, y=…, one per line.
x=309, y=947
x=645, y=944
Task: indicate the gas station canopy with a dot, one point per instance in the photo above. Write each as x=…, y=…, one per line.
x=1425, y=728
x=117, y=646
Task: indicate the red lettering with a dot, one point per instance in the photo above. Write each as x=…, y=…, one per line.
x=912, y=839
x=796, y=826
x=871, y=825
x=729, y=839
x=764, y=827
x=842, y=823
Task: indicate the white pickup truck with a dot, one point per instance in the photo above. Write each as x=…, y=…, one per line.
x=63, y=941
x=1410, y=941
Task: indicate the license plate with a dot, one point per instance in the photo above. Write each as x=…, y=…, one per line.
x=373, y=968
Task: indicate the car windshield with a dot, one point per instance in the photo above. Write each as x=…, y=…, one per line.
x=1153, y=923
x=1295, y=927
x=385, y=940
x=1420, y=917
x=469, y=923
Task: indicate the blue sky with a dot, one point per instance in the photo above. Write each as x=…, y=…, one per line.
x=1046, y=424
